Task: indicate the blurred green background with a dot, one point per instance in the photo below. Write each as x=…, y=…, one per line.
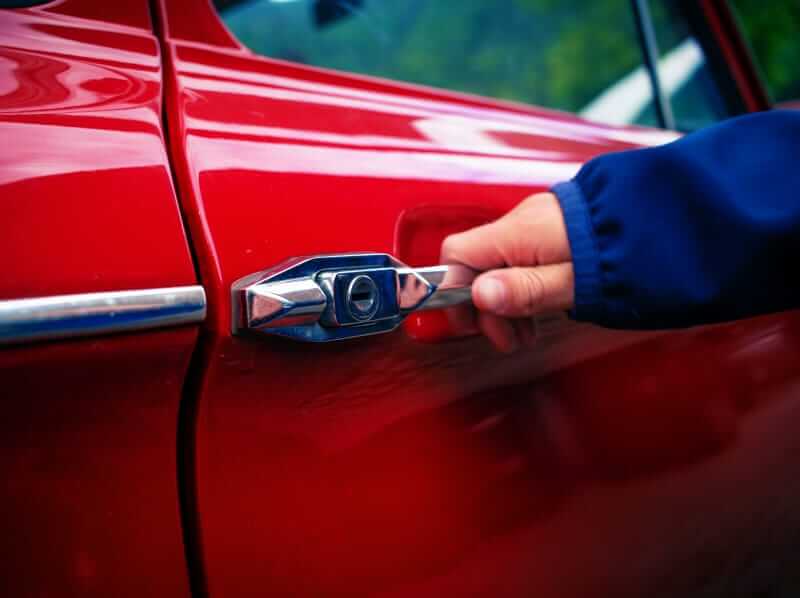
x=555, y=53
x=772, y=28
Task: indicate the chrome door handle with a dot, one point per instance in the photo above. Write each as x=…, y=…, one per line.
x=332, y=297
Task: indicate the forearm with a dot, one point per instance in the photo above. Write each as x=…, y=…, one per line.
x=702, y=230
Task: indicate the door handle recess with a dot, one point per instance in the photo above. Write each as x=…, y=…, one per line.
x=333, y=297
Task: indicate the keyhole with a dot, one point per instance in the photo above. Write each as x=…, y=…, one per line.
x=362, y=297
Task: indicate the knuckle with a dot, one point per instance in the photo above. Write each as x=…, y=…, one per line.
x=450, y=246
x=531, y=292
x=514, y=242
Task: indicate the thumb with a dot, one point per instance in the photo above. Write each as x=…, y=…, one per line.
x=525, y=292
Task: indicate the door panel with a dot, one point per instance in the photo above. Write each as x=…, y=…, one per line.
x=89, y=427
x=598, y=462
x=87, y=196
x=90, y=497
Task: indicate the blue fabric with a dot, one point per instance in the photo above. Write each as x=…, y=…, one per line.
x=704, y=229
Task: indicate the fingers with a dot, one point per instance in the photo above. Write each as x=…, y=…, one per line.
x=525, y=292
x=527, y=269
x=480, y=248
x=509, y=298
x=505, y=334
x=499, y=331
x=532, y=233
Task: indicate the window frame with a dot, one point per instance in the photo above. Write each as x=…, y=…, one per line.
x=730, y=63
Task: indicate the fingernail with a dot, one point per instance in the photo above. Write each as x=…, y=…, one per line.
x=492, y=293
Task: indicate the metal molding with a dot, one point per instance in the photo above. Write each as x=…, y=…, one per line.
x=90, y=314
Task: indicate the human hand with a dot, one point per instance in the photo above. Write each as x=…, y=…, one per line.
x=526, y=269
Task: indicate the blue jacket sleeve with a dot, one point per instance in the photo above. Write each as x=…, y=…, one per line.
x=704, y=229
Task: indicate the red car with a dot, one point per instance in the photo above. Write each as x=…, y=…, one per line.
x=158, y=439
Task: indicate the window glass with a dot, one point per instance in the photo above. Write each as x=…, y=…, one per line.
x=684, y=73
x=575, y=55
x=20, y=3
x=772, y=28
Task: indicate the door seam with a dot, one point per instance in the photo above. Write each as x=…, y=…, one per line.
x=186, y=437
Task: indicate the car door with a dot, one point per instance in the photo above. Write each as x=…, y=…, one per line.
x=92, y=243
x=414, y=463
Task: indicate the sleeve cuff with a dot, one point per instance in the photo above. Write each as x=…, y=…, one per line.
x=585, y=253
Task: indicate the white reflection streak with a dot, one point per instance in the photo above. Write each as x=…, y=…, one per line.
x=17, y=34
x=558, y=125
x=9, y=82
x=623, y=102
x=34, y=151
x=209, y=154
x=439, y=142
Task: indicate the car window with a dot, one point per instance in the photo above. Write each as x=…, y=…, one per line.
x=772, y=28
x=555, y=53
x=687, y=80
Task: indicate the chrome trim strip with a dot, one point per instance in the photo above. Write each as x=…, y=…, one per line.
x=90, y=314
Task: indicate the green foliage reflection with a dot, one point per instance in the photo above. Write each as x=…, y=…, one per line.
x=772, y=28
x=556, y=53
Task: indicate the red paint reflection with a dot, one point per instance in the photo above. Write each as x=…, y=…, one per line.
x=329, y=511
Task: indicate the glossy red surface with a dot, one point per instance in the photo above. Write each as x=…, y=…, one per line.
x=89, y=488
x=89, y=494
x=86, y=198
x=597, y=463
x=386, y=469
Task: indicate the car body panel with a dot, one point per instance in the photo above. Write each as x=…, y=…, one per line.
x=389, y=466
x=379, y=468
x=90, y=493
x=89, y=428
x=597, y=462
x=88, y=201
